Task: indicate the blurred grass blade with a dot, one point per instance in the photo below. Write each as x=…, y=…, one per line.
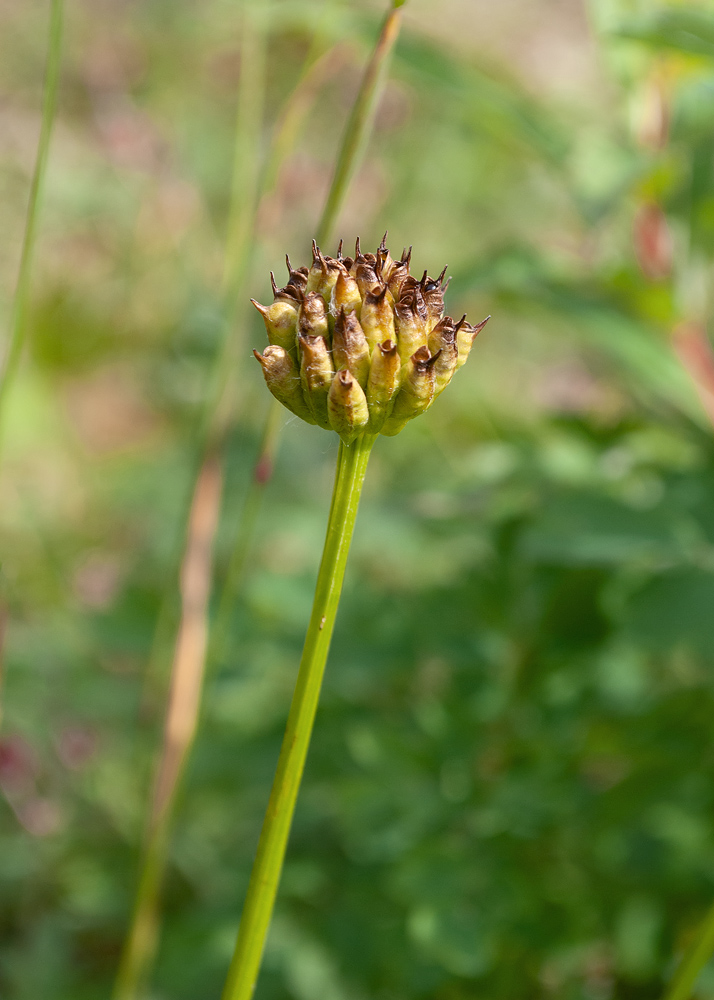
x=179, y=729
x=694, y=961
x=3, y=630
x=197, y=564
x=265, y=876
x=354, y=141
x=685, y=30
x=319, y=64
x=245, y=186
x=18, y=327
x=497, y=107
x=359, y=124
x=245, y=177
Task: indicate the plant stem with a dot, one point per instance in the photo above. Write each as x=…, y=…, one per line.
x=18, y=328
x=179, y=728
x=354, y=140
x=359, y=124
x=240, y=229
x=263, y=885
x=693, y=962
x=189, y=658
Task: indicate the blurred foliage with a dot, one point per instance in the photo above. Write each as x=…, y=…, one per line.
x=511, y=787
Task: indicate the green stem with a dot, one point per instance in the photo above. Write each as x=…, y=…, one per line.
x=18, y=328
x=240, y=229
x=263, y=885
x=140, y=947
x=693, y=962
x=359, y=124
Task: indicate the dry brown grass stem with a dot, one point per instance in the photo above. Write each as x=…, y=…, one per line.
x=180, y=724
x=192, y=638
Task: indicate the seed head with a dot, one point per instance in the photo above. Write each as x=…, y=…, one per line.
x=359, y=344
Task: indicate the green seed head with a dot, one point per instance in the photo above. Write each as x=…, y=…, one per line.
x=280, y=320
x=345, y=295
x=312, y=316
x=350, y=349
x=316, y=374
x=283, y=380
x=443, y=344
x=347, y=406
x=358, y=344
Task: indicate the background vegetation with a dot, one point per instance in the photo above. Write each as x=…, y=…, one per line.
x=510, y=792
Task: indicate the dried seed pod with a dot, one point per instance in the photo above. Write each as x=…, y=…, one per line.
x=433, y=292
x=381, y=327
x=383, y=383
x=399, y=273
x=280, y=320
x=416, y=392
x=323, y=273
x=312, y=318
x=442, y=343
x=283, y=380
x=297, y=278
x=410, y=324
x=385, y=264
x=366, y=278
x=362, y=258
x=349, y=347
x=316, y=374
x=465, y=336
x=347, y=406
x=345, y=295
x=377, y=317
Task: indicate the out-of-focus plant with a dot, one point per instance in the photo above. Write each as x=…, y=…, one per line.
x=21, y=304
x=664, y=56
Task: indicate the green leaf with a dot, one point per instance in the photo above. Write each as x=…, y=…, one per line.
x=675, y=609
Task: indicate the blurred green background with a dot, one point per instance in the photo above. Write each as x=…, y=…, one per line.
x=510, y=792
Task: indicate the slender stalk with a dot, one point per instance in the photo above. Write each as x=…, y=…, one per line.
x=18, y=328
x=179, y=728
x=317, y=66
x=263, y=885
x=693, y=962
x=245, y=189
x=359, y=124
x=190, y=647
x=354, y=141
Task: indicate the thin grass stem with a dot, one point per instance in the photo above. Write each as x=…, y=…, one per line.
x=359, y=124
x=263, y=886
x=693, y=962
x=18, y=326
x=189, y=659
x=179, y=729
